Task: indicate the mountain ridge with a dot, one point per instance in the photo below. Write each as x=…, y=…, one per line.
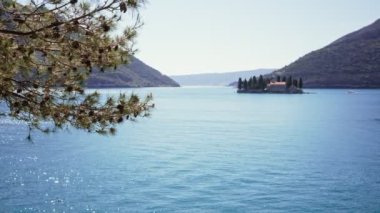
x=352, y=61
x=216, y=79
x=134, y=74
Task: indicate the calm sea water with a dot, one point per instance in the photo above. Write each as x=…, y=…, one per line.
x=206, y=150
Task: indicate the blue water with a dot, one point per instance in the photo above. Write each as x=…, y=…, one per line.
x=206, y=150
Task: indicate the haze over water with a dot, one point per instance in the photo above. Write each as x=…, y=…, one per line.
x=206, y=149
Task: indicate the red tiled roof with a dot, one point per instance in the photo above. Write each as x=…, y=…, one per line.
x=278, y=83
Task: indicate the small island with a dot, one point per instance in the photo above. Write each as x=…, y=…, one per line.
x=284, y=85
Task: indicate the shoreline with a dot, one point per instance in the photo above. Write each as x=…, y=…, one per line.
x=268, y=92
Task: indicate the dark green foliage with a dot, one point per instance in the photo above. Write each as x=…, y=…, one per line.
x=46, y=49
x=253, y=84
x=289, y=82
x=300, y=83
x=260, y=86
x=240, y=84
x=254, y=80
x=245, y=84
x=261, y=82
x=295, y=82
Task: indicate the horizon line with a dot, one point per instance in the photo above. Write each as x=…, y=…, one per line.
x=227, y=72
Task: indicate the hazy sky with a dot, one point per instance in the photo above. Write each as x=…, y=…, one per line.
x=197, y=36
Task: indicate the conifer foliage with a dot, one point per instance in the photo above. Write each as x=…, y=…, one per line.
x=48, y=48
x=260, y=84
x=253, y=83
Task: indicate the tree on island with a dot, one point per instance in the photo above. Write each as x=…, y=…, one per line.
x=289, y=82
x=254, y=80
x=295, y=83
x=300, y=83
x=245, y=84
x=284, y=79
x=48, y=48
x=250, y=83
x=240, y=82
x=261, y=82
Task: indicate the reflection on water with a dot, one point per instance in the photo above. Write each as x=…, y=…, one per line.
x=205, y=149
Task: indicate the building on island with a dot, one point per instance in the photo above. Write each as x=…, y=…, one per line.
x=281, y=87
x=263, y=85
x=276, y=87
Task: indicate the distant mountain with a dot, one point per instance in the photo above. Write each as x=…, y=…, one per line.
x=352, y=61
x=135, y=74
x=216, y=79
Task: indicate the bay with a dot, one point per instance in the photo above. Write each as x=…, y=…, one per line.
x=205, y=149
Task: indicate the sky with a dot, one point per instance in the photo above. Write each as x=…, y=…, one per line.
x=201, y=36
